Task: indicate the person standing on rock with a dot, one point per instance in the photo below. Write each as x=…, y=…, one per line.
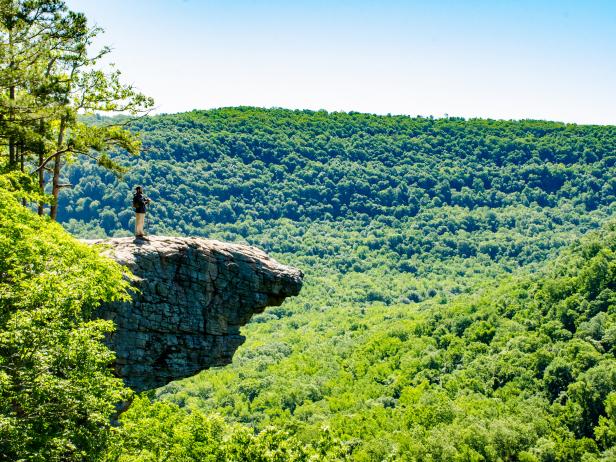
x=140, y=203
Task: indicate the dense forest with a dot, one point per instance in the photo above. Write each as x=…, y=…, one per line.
x=460, y=275
x=359, y=196
x=524, y=371
x=450, y=310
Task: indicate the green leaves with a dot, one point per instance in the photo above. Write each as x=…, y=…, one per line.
x=160, y=431
x=50, y=75
x=57, y=392
x=497, y=375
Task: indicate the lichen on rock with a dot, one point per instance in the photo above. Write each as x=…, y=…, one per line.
x=192, y=297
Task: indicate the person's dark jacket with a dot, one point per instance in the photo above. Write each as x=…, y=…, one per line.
x=139, y=202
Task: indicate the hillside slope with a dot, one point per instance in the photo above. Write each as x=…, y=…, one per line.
x=525, y=371
x=362, y=195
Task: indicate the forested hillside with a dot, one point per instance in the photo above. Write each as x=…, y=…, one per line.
x=450, y=311
x=357, y=195
x=525, y=371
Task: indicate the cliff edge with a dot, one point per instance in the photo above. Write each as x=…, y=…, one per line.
x=192, y=297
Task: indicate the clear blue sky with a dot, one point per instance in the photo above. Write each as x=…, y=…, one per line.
x=537, y=59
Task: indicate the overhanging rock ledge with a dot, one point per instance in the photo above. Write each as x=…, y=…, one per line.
x=193, y=296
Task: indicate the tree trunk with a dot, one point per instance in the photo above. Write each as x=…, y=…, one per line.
x=41, y=182
x=55, y=184
x=41, y=172
x=12, y=150
x=19, y=153
x=12, y=153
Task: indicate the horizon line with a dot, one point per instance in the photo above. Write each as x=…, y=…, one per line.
x=445, y=116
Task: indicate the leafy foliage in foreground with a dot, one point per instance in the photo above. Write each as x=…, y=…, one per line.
x=523, y=372
x=161, y=431
x=57, y=393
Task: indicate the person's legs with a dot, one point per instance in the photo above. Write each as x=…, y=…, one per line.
x=139, y=220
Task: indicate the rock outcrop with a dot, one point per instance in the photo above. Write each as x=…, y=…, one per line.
x=192, y=296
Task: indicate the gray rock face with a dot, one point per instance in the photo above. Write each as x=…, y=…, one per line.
x=192, y=296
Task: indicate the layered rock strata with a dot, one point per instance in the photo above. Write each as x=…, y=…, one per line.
x=192, y=296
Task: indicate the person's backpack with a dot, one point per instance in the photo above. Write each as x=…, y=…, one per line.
x=135, y=201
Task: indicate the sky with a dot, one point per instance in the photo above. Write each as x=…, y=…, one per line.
x=502, y=59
